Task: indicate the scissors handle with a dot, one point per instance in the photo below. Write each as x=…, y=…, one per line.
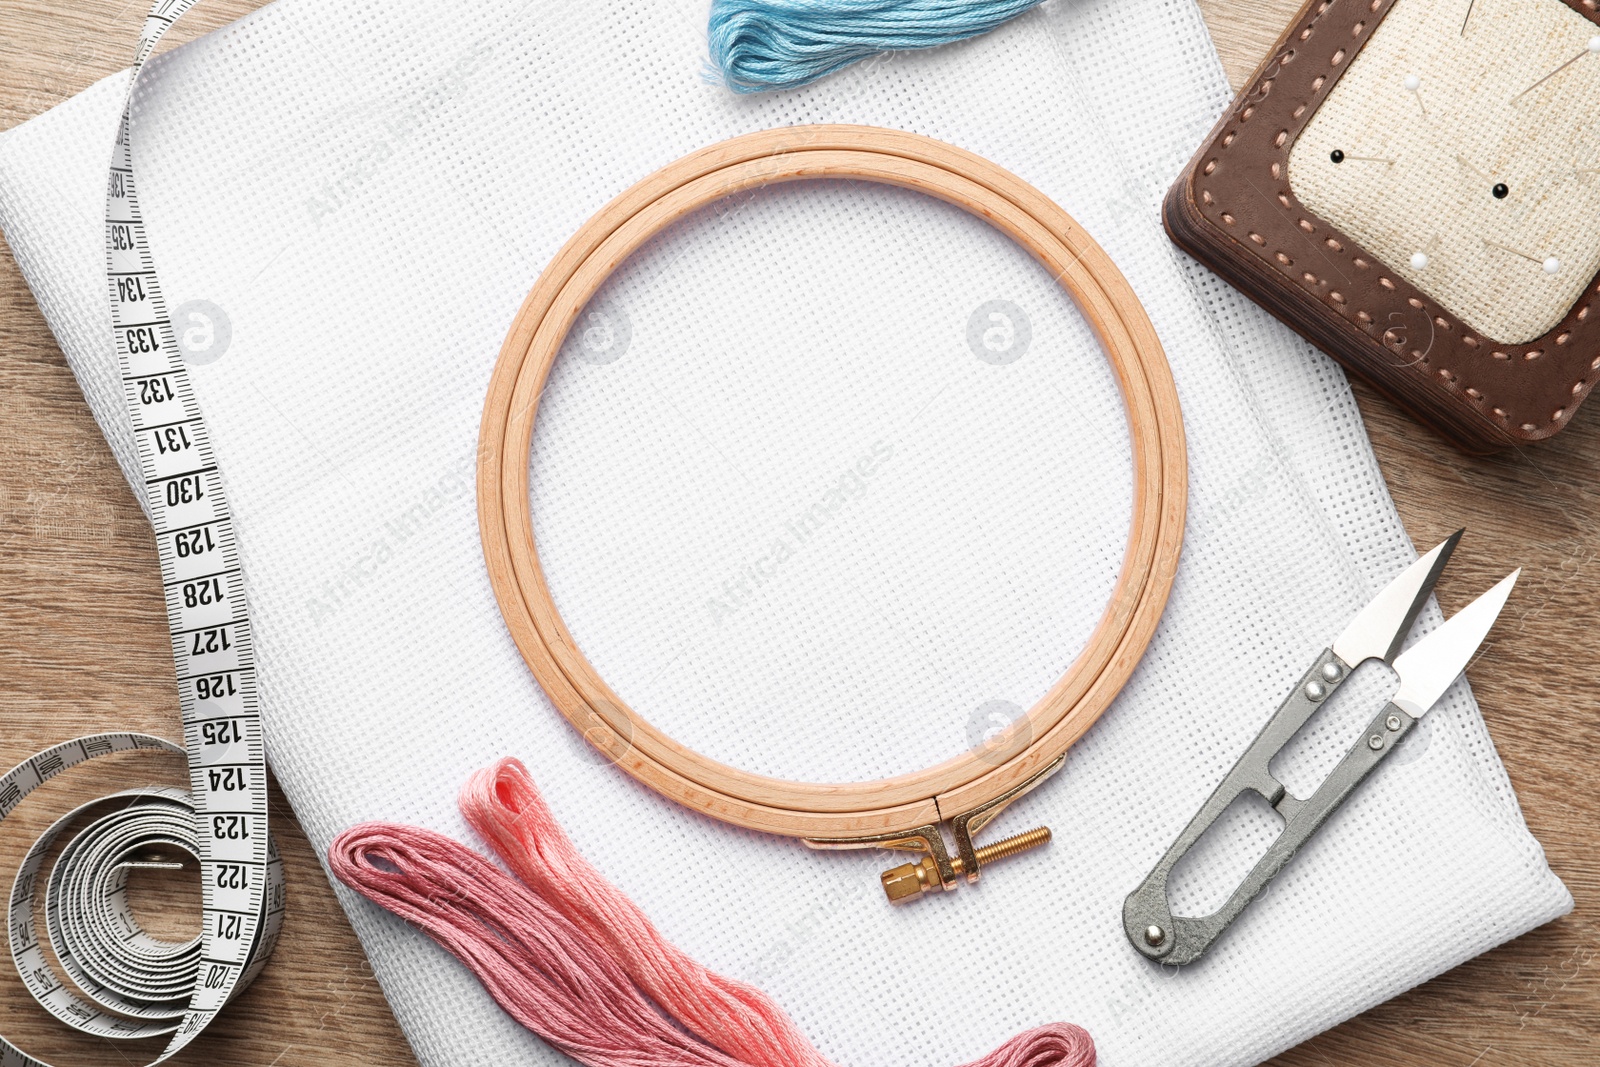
x=1146, y=915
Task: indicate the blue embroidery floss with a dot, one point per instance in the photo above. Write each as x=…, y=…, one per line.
x=784, y=44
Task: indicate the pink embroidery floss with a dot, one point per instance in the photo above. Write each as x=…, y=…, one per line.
x=569, y=956
x=541, y=969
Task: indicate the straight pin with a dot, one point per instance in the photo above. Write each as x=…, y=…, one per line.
x=1470, y=5
x=1338, y=156
x=1513, y=251
x=1413, y=84
x=1550, y=264
x=1592, y=48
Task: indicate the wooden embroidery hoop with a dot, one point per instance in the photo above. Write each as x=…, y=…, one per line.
x=904, y=811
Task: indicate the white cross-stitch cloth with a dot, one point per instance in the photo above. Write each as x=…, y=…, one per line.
x=830, y=483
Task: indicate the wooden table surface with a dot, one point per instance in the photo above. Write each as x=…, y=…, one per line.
x=83, y=648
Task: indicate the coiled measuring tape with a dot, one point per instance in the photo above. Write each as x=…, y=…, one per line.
x=120, y=981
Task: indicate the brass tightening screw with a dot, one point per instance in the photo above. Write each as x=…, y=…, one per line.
x=910, y=880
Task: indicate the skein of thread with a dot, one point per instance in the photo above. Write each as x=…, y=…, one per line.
x=541, y=969
x=572, y=958
x=783, y=44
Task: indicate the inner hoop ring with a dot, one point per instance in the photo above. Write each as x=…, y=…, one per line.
x=890, y=157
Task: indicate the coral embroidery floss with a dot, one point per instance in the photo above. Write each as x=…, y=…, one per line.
x=570, y=957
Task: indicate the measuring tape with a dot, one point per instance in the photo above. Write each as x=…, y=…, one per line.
x=124, y=983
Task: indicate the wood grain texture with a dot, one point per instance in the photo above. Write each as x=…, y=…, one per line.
x=83, y=648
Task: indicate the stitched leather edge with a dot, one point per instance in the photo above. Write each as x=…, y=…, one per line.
x=1233, y=208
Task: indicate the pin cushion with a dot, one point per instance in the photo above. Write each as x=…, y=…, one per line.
x=1412, y=186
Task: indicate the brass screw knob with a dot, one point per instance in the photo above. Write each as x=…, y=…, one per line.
x=909, y=881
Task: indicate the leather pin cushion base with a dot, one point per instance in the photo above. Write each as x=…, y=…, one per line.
x=1236, y=207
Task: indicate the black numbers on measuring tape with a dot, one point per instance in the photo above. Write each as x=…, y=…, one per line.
x=230, y=827
x=194, y=542
x=172, y=439
x=156, y=391
x=141, y=340
x=199, y=594
x=130, y=290
x=215, y=687
x=232, y=876
x=223, y=732
x=210, y=642
x=206, y=610
x=226, y=779
x=189, y=489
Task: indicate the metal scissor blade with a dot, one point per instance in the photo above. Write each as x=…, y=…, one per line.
x=1380, y=628
x=1428, y=667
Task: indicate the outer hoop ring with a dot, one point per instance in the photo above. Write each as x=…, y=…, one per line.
x=1103, y=295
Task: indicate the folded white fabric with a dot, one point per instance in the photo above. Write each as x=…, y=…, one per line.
x=367, y=190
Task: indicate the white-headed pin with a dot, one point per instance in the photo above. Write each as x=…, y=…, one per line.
x=1413, y=85
x=1590, y=49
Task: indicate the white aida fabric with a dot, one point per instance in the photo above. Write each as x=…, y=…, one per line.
x=830, y=483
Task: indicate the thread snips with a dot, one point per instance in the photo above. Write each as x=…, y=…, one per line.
x=1378, y=631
